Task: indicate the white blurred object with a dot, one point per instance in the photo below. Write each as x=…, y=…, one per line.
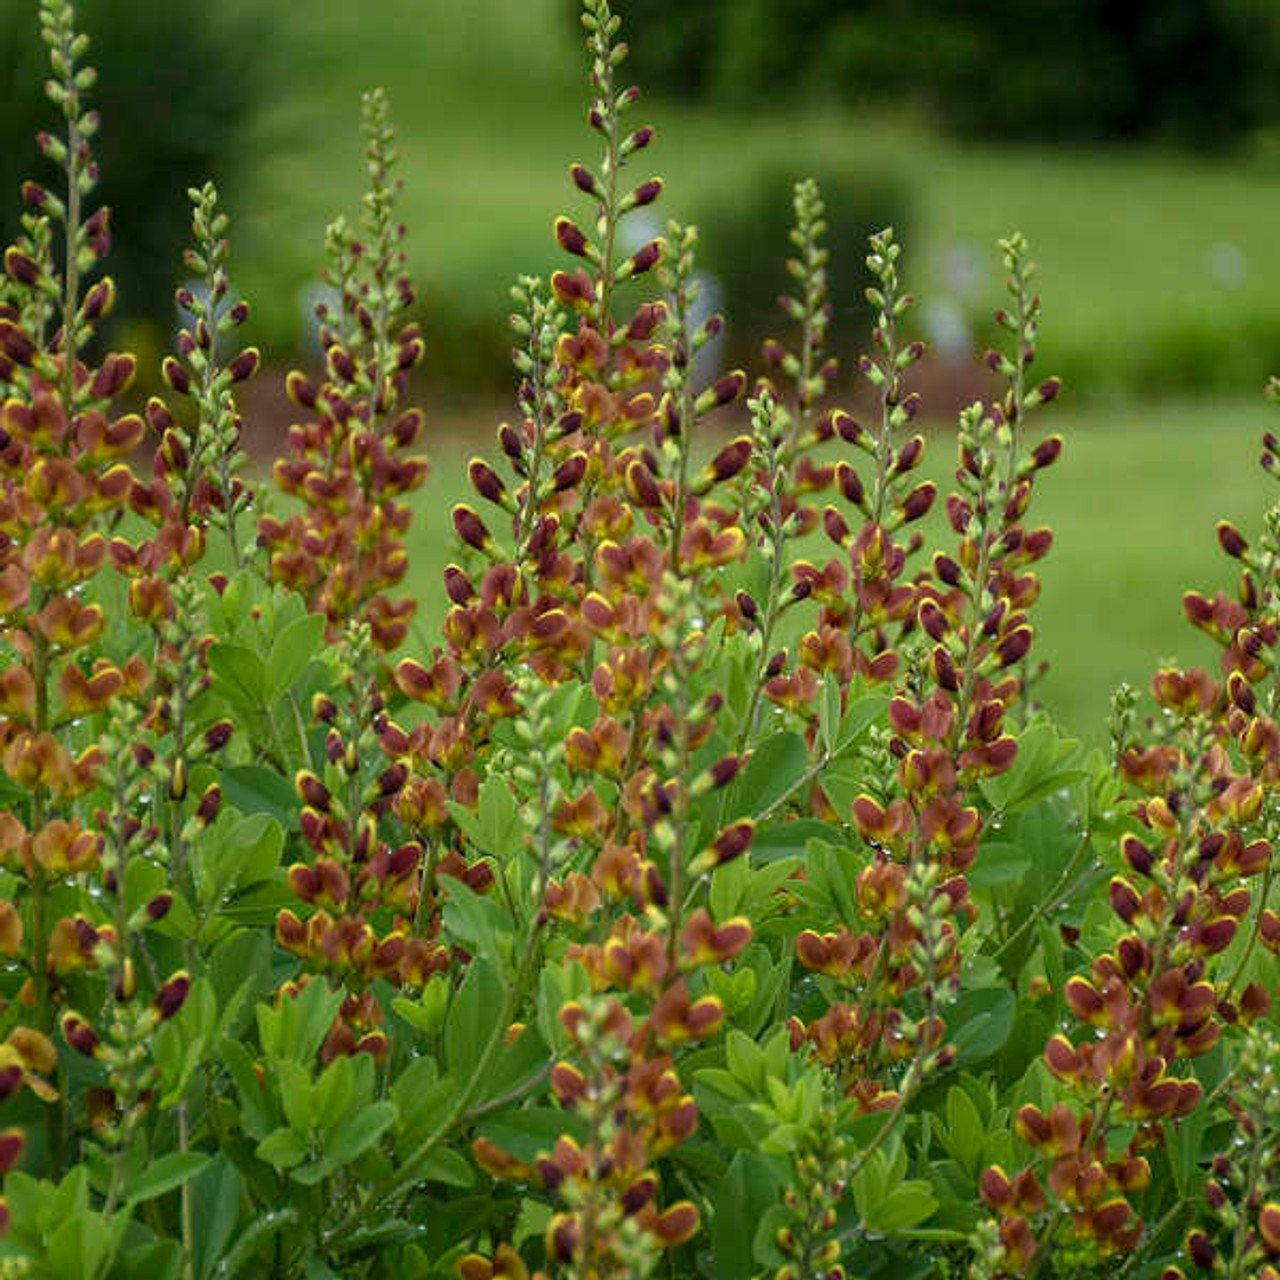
x=962, y=270
x=947, y=329
x=1225, y=264
x=638, y=230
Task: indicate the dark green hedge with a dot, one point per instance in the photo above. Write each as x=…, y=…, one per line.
x=1199, y=73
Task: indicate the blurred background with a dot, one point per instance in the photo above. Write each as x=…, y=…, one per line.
x=1137, y=145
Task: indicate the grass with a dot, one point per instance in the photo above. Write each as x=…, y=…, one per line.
x=1158, y=270
x=1125, y=548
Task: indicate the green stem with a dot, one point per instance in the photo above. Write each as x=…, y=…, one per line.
x=187, y=1210
x=1240, y=1256
x=1175, y=1210
x=812, y=772
x=1052, y=900
x=39, y=882
x=1236, y=975
x=71, y=278
x=606, y=283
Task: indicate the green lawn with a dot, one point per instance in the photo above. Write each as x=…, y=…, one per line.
x=1133, y=503
x=1158, y=270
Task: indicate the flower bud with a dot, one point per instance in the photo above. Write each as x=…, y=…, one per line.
x=644, y=259
x=638, y=140
x=470, y=528
x=731, y=459
x=79, y=1034
x=1231, y=540
x=917, y=503
x=583, y=179
x=573, y=239
x=22, y=268
x=176, y=375
x=570, y=472
x=1046, y=453
x=486, y=481
x=100, y=299
x=172, y=995
x=244, y=365
x=642, y=487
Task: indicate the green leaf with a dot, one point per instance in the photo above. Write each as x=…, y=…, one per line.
x=255, y=1109
x=532, y=1223
x=746, y=1059
x=217, y=1190
x=722, y=1081
x=777, y=1052
x=154, y=1260
x=26, y=1198
x=297, y=1029
x=475, y=1013
x=771, y=979
x=500, y=819
x=743, y=1196
x=83, y=1245
x=869, y=1185
x=788, y=839
x=764, y=1243
x=736, y=990
x=844, y=782
x=999, y=864
x=728, y=884
x=282, y=1149
x=829, y=713
x=764, y=883
x=776, y=765
x=420, y=1100
x=239, y=968
x=255, y=1234
x=239, y=675
x=291, y=650
x=557, y=985
x=1185, y=1153
x=334, y=1092
x=185, y=1040
x=979, y=1022
x=258, y=905
x=164, y=1174
x=964, y=1134
x=258, y=840
x=495, y=827
x=474, y=919
x=528, y=1132
x=515, y=1063
x=253, y=788
x=448, y=1168
x=143, y=880
x=354, y=1136
x=1046, y=762
x=427, y=1012
x=859, y=716
x=1051, y=951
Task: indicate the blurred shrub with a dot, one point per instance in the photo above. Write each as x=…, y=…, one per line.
x=1192, y=72
x=734, y=247
x=184, y=77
